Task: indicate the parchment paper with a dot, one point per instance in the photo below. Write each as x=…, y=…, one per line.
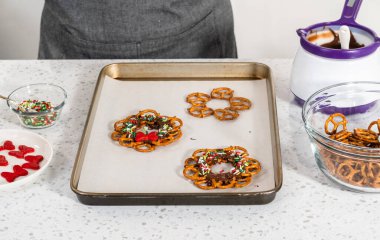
x=111, y=168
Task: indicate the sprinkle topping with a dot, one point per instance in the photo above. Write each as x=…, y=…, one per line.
x=34, y=106
x=160, y=125
x=213, y=157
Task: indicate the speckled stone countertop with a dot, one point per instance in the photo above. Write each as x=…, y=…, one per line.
x=308, y=206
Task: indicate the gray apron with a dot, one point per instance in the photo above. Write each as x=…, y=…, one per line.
x=110, y=29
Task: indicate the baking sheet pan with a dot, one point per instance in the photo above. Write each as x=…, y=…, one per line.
x=106, y=173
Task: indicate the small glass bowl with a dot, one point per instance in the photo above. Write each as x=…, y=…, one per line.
x=40, y=92
x=355, y=168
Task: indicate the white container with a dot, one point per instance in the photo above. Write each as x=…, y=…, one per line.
x=317, y=66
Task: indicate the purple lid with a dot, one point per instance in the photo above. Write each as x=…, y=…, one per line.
x=350, y=11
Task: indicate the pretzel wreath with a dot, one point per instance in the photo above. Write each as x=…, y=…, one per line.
x=198, y=168
x=199, y=107
x=352, y=170
x=146, y=130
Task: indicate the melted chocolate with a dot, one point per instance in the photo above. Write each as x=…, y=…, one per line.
x=226, y=178
x=335, y=43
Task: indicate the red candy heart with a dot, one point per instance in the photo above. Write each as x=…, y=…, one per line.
x=140, y=137
x=19, y=171
x=31, y=165
x=8, y=145
x=17, y=154
x=3, y=161
x=25, y=149
x=34, y=159
x=1, y=148
x=153, y=136
x=9, y=176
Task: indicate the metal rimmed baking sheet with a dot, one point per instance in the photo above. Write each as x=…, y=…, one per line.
x=106, y=173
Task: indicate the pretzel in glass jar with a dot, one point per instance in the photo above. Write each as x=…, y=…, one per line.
x=336, y=124
x=350, y=169
x=360, y=137
x=366, y=135
x=375, y=123
x=351, y=172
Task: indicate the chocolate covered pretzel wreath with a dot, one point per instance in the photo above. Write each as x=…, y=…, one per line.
x=199, y=107
x=198, y=168
x=146, y=130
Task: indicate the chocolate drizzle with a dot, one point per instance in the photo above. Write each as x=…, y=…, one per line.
x=335, y=43
x=222, y=156
x=226, y=178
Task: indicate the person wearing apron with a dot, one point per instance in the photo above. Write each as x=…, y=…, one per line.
x=138, y=29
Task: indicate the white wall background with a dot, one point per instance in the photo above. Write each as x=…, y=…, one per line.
x=263, y=28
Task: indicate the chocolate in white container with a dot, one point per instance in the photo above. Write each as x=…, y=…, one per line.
x=318, y=64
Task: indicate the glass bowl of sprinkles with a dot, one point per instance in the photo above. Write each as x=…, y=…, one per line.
x=37, y=105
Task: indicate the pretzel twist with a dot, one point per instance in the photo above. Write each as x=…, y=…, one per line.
x=372, y=171
x=253, y=169
x=372, y=124
x=341, y=136
x=204, y=184
x=176, y=124
x=200, y=111
x=365, y=135
x=198, y=98
x=351, y=171
x=117, y=135
x=352, y=140
x=336, y=124
x=222, y=93
x=144, y=147
x=127, y=142
x=226, y=114
x=240, y=103
x=242, y=182
x=199, y=152
x=148, y=112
